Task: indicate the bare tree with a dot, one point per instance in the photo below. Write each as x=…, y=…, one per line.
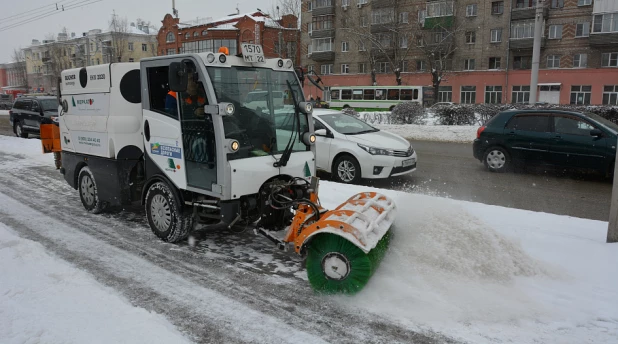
x=19, y=67
x=119, y=28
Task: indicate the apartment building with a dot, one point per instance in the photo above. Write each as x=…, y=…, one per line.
x=491, y=57
x=279, y=38
x=46, y=59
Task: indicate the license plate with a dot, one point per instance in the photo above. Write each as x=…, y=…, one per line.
x=252, y=53
x=409, y=162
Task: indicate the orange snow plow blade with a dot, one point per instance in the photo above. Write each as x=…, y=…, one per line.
x=50, y=138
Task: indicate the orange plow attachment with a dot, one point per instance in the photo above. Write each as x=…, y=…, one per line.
x=50, y=140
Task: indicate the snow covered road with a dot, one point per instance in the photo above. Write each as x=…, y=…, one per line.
x=475, y=273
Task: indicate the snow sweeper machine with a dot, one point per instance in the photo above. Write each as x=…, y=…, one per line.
x=213, y=138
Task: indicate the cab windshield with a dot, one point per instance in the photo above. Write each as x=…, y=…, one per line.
x=264, y=120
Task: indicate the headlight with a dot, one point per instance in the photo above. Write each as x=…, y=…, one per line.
x=222, y=58
x=210, y=58
x=376, y=151
x=229, y=109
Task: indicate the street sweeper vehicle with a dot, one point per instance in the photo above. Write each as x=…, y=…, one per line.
x=183, y=135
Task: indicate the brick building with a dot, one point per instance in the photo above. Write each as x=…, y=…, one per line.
x=12, y=78
x=279, y=38
x=493, y=42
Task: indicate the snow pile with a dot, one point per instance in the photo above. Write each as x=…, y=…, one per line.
x=510, y=277
x=444, y=133
x=44, y=299
x=20, y=153
x=4, y=112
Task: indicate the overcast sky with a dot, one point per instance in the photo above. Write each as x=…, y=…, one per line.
x=97, y=15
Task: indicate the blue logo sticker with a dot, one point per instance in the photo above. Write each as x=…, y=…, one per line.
x=168, y=151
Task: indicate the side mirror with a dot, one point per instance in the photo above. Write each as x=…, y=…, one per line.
x=178, y=77
x=596, y=133
x=321, y=132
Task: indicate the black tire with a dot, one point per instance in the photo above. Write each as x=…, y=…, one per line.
x=391, y=108
x=497, y=159
x=168, y=218
x=88, y=192
x=346, y=106
x=347, y=170
x=19, y=130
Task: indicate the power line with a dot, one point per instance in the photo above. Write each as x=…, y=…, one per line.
x=25, y=13
x=44, y=11
x=47, y=14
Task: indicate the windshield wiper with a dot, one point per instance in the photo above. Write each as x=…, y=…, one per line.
x=288, y=148
x=364, y=132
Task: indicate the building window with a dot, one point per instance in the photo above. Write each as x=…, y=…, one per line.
x=580, y=95
x=553, y=61
x=345, y=46
x=522, y=62
x=580, y=60
x=309, y=7
x=445, y=94
x=403, y=17
x=321, y=23
x=204, y=32
x=493, y=94
x=555, y=31
x=496, y=35
x=404, y=66
x=497, y=7
x=130, y=46
x=384, y=67
x=363, y=21
x=187, y=35
x=468, y=94
x=557, y=3
x=471, y=10
x=361, y=46
x=420, y=65
x=522, y=29
x=525, y=3
x=439, y=9
x=605, y=22
x=310, y=68
x=345, y=68
x=403, y=42
x=609, y=60
x=144, y=47
x=326, y=69
x=582, y=30
x=584, y=2
x=384, y=40
x=383, y=15
x=469, y=64
x=322, y=44
x=196, y=34
x=345, y=3
x=361, y=68
x=470, y=37
x=521, y=94
x=495, y=62
x=610, y=95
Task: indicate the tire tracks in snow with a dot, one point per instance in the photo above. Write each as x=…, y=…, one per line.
x=189, y=284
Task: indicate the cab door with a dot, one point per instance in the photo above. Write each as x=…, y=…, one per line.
x=573, y=145
x=528, y=137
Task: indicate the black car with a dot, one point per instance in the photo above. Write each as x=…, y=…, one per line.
x=562, y=138
x=28, y=113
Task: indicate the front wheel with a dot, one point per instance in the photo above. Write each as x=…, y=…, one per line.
x=169, y=220
x=19, y=130
x=88, y=192
x=497, y=159
x=347, y=170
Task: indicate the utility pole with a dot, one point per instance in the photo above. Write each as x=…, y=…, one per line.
x=536, y=50
x=612, y=229
x=87, y=50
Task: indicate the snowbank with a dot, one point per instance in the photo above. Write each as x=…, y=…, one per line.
x=490, y=274
x=4, y=112
x=45, y=299
x=25, y=152
x=443, y=133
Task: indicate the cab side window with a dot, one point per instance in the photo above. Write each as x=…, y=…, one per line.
x=159, y=92
x=532, y=122
x=35, y=106
x=317, y=125
x=572, y=126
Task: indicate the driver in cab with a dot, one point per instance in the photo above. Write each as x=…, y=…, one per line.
x=192, y=101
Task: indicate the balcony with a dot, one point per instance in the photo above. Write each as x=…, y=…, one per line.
x=438, y=22
x=323, y=56
x=322, y=11
x=524, y=43
x=382, y=3
x=527, y=13
x=327, y=33
x=605, y=39
x=378, y=28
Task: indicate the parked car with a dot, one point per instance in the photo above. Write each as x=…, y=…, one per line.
x=28, y=113
x=562, y=138
x=351, y=149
